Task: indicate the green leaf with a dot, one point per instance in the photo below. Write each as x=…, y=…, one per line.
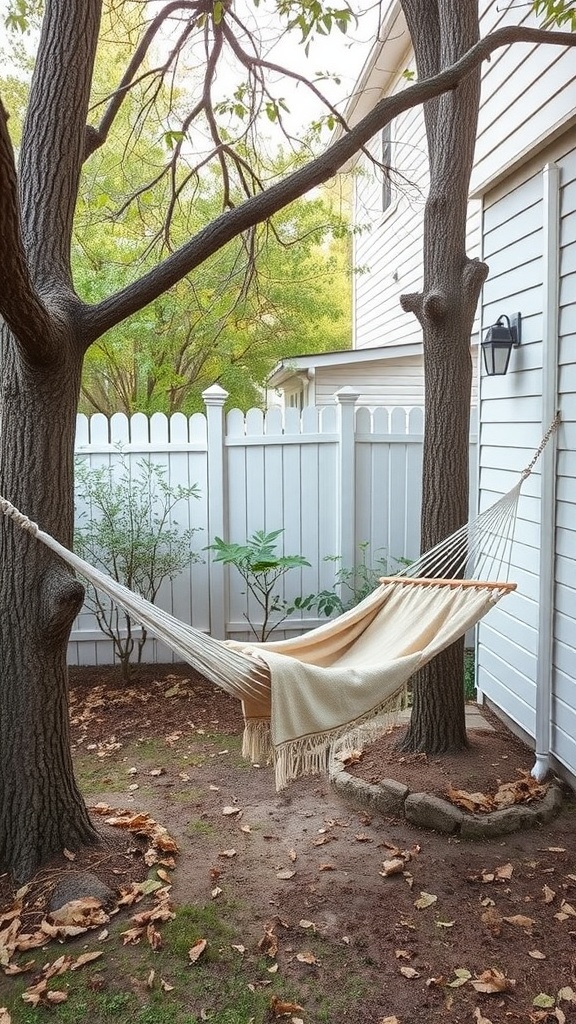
x=544, y=1001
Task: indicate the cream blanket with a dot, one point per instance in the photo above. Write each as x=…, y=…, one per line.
x=332, y=680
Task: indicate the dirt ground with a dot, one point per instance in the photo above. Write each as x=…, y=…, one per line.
x=467, y=931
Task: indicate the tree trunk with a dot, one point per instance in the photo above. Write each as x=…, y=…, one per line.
x=41, y=810
x=442, y=30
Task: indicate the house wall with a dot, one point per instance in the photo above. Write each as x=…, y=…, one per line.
x=394, y=382
x=534, y=85
x=512, y=423
x=388, y=248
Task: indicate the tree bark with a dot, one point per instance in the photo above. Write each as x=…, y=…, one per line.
x=41, y=809
x=442, y=30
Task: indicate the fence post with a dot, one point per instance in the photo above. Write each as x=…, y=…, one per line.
x=346, y=492
x=214, y=398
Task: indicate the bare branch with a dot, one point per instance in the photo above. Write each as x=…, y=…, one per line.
x=96, y=136
x=231, y=223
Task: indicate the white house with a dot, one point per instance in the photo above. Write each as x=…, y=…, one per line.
x=522, y=222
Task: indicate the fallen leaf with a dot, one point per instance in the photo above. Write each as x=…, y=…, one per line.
x=268, y=944
x=165, y=985
x=196, y=950
x=493, y=980
x=504, y=872
x=480, y=1018
x=5, y=1017
x=285, y=874
x=520, y=921
x=273, y=969
x=445, y=924
x=307, y=924
x=68, y=854
x=567, y=994
x=473, y=802
x=12, y=969
x=548, y=893
x=543, y=1001
x=426, y=899
x=216, y=892
x=150, y=979
x=239, y=948
x=227, y=853
x=536, y=954
x=395, y=866
x=85, y=958
x=389, y=1020
x=281, y=1009
x=462, y=976
x=409, y=972
x=231, y=810
x=306, y=958
x=154, y=937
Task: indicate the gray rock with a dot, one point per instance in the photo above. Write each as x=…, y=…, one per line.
x=550, y=804
x=497, y=823
x=76, y=885
x=429, y=811
x=390, y=797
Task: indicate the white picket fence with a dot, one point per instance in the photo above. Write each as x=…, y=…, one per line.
x=332, y=478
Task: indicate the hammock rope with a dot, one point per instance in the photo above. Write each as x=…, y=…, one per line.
x=304, y=694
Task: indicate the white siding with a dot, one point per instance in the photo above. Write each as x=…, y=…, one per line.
x=390, y=382
x=528, y=93
x=511, y=427
x=388, y=249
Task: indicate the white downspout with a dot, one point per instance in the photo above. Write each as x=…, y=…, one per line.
x=546, y=595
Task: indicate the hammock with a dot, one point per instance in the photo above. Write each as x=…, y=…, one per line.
x=301, y=696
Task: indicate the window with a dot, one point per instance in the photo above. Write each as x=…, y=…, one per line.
x=386, y=159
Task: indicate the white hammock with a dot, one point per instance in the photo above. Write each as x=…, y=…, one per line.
x=302, y=695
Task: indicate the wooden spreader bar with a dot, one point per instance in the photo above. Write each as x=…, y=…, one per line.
x=423, y=581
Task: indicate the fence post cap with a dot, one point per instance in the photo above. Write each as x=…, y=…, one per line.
x=214, y=395
x=347, y=394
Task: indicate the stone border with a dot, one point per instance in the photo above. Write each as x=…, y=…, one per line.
x=393, y=799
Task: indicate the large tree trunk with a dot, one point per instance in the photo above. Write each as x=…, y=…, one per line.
x=441, y=31
x=41, y=810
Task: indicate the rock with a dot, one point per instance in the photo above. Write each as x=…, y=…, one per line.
x=429, y=811
x=76, y=885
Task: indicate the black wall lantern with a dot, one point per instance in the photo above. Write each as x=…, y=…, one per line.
x=498, y=342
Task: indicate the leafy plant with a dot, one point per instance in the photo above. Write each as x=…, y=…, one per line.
x=130, y=534
x=352, y=585
x=262, y=568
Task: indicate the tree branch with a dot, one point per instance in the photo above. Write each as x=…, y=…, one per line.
x=20, y=306
x=96, y=136
x=228, y=225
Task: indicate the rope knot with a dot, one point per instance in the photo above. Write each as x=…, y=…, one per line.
x=9, y=510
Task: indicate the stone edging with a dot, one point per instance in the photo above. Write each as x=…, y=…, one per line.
x=393, y=799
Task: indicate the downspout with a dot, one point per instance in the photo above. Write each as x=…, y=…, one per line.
x=546, y=595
